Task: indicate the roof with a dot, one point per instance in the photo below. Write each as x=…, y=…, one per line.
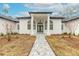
x=8, y=18
x=23, y=17
x=75, y=18
x=57, y=17
x=40, y=12
x=50, y=17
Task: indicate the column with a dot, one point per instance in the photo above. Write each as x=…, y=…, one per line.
x=32, y=25
x=48, y=25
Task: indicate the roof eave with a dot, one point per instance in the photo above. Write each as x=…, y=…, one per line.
x=40, y=12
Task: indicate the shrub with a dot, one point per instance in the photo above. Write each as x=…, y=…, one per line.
x=69, y=36
x=74, y=34
x=7, y=33
x=8, y=36
x=1, y=34
x=14, y=33
x=69, y=33
x=65, y=33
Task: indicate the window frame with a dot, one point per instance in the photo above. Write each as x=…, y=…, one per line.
x=29, y=25
x=51, y=25
x=45, y=25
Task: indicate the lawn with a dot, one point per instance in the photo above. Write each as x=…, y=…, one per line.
x=64, y=45
x=18, y=45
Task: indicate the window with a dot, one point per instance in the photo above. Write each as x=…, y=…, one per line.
x=62, y=27
x=29, y=25
x=51, y=25
x=45, y=25
x=18, y=26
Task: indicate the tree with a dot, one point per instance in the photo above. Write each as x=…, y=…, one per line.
x=5, y=9
x=8, y=31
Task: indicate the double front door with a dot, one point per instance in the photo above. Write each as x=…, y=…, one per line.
x=40, y=28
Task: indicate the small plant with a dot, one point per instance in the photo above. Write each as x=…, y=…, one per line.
x=1, y=34
x=16, y=37
x=69, y=36
x=14, y=33
x=69, y=33
x=74, y=34
x=8, y=36
x=62, y=36
x=13, y=46
x=65, y=33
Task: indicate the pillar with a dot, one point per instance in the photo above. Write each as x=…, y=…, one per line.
x=32, y=25
x=48, y=25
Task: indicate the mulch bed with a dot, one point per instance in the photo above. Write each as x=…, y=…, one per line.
x=19, y=45
x=64, y=44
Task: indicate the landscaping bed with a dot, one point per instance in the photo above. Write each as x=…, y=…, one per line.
x=64, y=45
x=18, y=45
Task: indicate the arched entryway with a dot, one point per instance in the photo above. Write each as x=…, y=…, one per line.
x=40, y=27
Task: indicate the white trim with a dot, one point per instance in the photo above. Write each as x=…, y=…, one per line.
x=48, y=25
x=32, y=25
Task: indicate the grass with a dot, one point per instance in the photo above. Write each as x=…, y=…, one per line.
x=19, y=45
x=64, y=45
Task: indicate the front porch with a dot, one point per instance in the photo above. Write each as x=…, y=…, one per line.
x=40, y=23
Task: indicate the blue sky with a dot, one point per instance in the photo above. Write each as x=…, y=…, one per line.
x=15, y=8
x=21, y=9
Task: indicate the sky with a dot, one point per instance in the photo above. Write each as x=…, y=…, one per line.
x=57, y=9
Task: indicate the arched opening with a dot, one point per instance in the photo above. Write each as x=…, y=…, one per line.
x=40, y=27
x=51, y=25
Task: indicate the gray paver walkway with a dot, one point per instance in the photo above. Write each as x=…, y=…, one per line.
x=41, y=47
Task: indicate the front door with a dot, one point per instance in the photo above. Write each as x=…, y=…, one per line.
x=39, y=28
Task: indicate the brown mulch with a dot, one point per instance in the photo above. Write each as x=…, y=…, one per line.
x=64, y=44
x=19, y=45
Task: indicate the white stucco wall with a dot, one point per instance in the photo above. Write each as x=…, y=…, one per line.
x=77, y=30
x=23, y=26
x=4, y=24
x=65, y=29
x=73, y=26
x=57, y=24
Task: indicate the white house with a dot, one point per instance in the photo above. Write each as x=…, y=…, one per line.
x=71, y=26
x=7, y=24
x=40, y=22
